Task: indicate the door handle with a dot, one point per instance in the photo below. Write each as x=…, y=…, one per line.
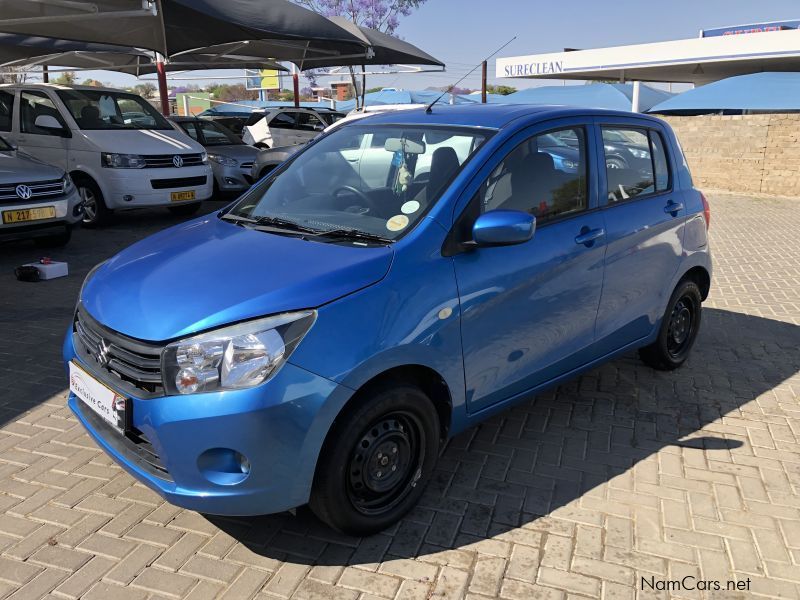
x=588, y=236
x=673, y=208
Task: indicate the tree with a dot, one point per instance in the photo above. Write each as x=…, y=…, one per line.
x=145, y=90
x=15, y=74
x=65, y=78
x=503, y=90
x=383, y=15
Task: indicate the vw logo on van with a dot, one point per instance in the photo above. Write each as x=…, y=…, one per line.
x=24, y=192
x=177, y=161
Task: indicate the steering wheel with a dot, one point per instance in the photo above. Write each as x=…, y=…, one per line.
x=369, y=202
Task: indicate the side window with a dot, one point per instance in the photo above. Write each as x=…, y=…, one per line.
x=629, y=165
x=545, y=176
x=660, y=162
x=6, y=109
x=310, y=122
x=33, y=105
x=284, y=120
x=191, y=130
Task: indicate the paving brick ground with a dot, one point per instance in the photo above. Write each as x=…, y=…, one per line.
x=622, y=476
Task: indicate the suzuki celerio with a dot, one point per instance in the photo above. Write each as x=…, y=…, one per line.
x=397, y=281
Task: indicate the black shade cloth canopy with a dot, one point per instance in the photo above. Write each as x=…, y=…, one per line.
x=385, y=49
x=21, y=49
x=174, y=26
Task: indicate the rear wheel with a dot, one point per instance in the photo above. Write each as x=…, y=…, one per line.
x=95, y=212
x=376, y=460
x=184, y=210
x=613, y=162
x=678, y=331
x=57, y=240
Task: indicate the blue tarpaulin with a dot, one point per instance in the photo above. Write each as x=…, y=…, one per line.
x=613, y=96
x=758, y=92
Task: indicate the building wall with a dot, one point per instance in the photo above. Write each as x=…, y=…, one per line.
x=747, y=153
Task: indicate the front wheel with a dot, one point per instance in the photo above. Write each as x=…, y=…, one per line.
x=95, y=212
x=678, y=330
x=376, y=461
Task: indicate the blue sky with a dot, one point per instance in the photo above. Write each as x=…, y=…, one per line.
x=462, y=32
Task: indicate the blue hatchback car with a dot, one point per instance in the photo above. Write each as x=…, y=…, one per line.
x=394, y=283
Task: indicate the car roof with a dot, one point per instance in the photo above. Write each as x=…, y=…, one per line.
x=494, y=116
x=58, y=86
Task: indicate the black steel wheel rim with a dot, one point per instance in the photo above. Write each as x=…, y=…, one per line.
x=385, y=463
x=681, y=327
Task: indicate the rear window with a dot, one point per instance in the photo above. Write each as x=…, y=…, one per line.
x=636, y=163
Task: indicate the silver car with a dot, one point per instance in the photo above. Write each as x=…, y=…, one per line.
x=37, y=200
x=230, y=158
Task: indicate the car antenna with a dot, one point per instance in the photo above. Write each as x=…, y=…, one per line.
x=429, y=109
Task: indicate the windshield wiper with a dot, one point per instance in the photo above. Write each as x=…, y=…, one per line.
x=284, y=224
x=356, y=234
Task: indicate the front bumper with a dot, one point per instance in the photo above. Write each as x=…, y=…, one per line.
x=278, y=426
x=232, y=179
x=133, y=188
x=68, y=209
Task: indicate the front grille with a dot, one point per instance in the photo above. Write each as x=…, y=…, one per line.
x=39, y=190
x=133, y=446
x=166, y=161
x=246, y=165
x=132, y=366
x=177, y=182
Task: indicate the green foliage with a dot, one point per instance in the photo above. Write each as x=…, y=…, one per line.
x=65, y=78
x=503, y=90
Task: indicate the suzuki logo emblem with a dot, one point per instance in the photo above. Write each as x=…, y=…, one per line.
x=177, y=161
x=24, y=192
x=102, y=353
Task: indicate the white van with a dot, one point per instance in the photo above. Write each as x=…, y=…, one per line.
x=120, y=152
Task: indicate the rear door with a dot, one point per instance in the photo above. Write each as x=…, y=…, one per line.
x=48, y=145
x=644, y=215
x=282, y=128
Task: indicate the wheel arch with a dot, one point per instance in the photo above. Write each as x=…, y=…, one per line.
x=701, y=277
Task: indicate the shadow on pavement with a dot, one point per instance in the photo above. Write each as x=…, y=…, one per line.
x=507, y=475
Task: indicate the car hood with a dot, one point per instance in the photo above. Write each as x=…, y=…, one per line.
x=240, y=152
x=142, y=141
x=207, y=273
x=18, y=168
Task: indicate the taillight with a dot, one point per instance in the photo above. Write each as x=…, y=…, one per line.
x=706, y=210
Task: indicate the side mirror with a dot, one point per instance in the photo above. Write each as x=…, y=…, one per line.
x=503, y=228
x=48, y=122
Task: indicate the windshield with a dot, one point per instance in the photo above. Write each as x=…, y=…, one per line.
x=375, y=179
x=215, y=134
x=101, y=109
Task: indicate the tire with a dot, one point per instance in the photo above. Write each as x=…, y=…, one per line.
x=184, y=210
x=616, y=163
x=57, y=240
x=394, y=430
x=678, y=331
x=95, y=211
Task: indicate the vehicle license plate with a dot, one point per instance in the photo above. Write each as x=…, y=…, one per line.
x=28, y=214
x=101, y=399
x=178, y=196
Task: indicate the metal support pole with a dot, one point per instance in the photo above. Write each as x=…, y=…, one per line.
x=483, y=82
x=45, y=74
x=186, y=111
x=162, y=85
x=363, y=86
x=296, y=82
x=635, y=96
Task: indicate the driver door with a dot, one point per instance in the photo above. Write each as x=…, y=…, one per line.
x=529, y=310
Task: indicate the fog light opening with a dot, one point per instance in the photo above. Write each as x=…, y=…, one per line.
x=128, y=198
x=224, y=466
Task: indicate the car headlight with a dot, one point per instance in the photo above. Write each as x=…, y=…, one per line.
x=204, y=158
x=639, y=153
x=233, y=358
x=122, y=161
x=223, y=160
x=66, y=184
